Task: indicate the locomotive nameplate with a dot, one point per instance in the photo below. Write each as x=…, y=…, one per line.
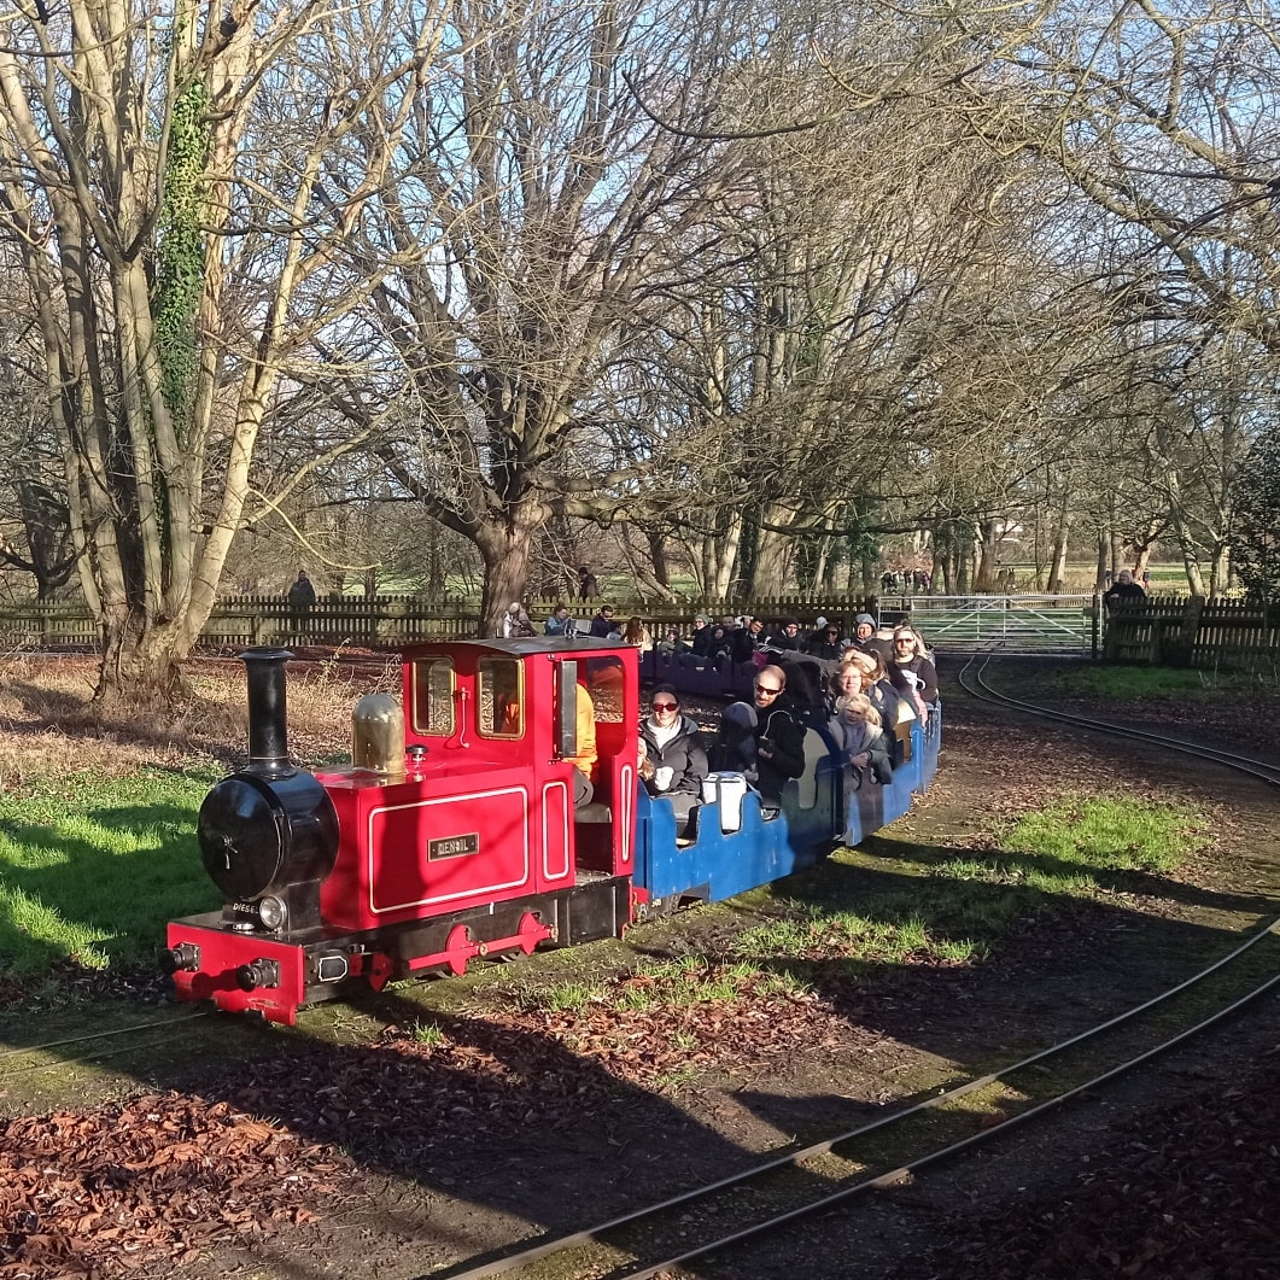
x=453, y=847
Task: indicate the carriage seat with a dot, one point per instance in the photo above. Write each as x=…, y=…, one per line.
x=593, y=812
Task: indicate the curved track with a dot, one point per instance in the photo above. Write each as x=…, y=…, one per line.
x=659, y=1217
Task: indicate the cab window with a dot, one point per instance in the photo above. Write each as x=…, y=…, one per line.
x=500, y=698
x=433, y=696
x=603, y=678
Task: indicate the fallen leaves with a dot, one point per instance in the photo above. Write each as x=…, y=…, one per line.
x=101, y=1192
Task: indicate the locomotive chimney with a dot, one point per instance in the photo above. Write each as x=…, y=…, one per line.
x=268, y=736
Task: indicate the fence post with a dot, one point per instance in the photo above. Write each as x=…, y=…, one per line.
x=1095, y=626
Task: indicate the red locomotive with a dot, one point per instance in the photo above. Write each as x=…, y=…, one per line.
x=454, y=835
x=451, y=838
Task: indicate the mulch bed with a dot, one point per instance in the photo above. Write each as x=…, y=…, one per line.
x=1190, y=1195
x=101, y=1192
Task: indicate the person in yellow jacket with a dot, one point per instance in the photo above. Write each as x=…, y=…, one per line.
x=584, y=762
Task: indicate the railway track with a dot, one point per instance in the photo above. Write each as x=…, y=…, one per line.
x=647, y=1233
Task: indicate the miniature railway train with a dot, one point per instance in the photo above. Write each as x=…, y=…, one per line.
x=453, y=834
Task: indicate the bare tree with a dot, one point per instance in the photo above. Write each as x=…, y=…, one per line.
x=161, y=179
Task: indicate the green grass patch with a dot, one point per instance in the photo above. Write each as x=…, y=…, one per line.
x=1127, y=684
x=1114, y=834
x=813, y=934
x=91, y=869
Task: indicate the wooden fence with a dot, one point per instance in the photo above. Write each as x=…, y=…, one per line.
x=384, y=622
x=1194, y=631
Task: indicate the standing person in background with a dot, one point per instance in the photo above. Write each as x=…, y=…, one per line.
x=1125, y=591
x=301, y=596
x=588, y=587
x=560, y=623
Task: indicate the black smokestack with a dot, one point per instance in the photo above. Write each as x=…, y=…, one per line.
x=268, y=737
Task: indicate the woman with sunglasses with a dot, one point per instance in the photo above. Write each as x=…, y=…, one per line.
x=675, y=752
x=909, y=657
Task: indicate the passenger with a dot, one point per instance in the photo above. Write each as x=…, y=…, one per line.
x=701, y=637
x=671, y=644
x=748, y=640
x=909, y=657
x=1124, y=591
x=885, y=696
x=788, y=637
x=719, y=644
x=602, y=624
x=881, y=642
x=764, y=740
x=638, y=634
x=863, y=736
x=584, y=762
x=515, y=622
x=675, y=749
x=826, y=644
x=819, y=627
x=864, y=627
x=560, y=623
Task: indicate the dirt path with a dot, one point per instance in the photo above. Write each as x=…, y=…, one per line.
x=435, y=1152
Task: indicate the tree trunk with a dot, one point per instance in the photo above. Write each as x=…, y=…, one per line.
x=1104, y=549
x=140, y=667
x=658, y=557
x=718, y=585
x=771, y=557
x=986, y=576
x=505, y=550
x=1058, y=561
x=1220, y=569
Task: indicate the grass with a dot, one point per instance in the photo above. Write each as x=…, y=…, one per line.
x=1111, y=834
x=1125, y=684
x=92, y=867
x=811, y=933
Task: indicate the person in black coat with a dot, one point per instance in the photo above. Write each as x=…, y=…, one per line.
x=787, y=637
x=908, y=658
x=826, y=643
x=1124, y=591
x=675, y=753
x=602, y=625
x=763, y=739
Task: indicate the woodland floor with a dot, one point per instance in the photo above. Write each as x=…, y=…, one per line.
x=442, y=1121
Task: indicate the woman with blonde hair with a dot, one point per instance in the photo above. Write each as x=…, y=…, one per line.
x=909, y=657
x=864, y=745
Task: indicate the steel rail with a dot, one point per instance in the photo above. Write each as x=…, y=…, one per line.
x=974, y=1139
x=1254, y=768
x=1245, y=764
x=101, y=1035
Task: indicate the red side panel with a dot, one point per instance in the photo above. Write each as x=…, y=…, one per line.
x=221, y=954
x=556, y=867
x=443, y=853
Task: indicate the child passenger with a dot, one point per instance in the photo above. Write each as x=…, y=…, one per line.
x=865, y=746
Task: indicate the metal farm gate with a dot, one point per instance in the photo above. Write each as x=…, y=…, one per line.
x=1021, y=624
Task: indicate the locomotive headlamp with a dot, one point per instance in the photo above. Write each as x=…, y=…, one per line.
x=271, y=912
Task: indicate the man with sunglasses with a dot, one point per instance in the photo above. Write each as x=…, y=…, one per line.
x=764, y=740
x=676, y=756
